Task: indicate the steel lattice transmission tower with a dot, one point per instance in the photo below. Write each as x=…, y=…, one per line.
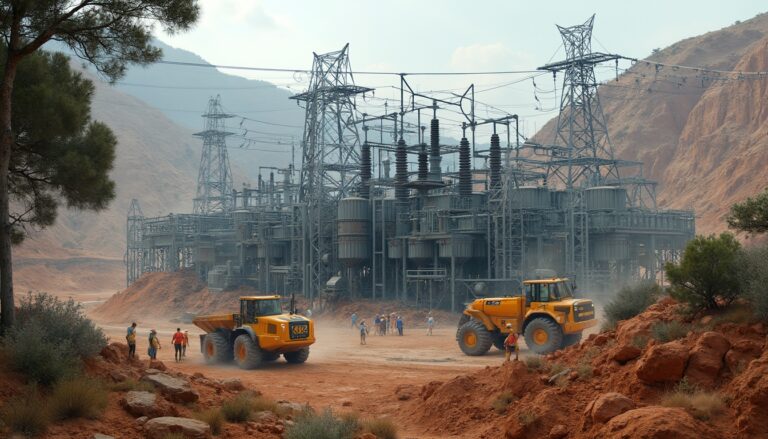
x=214, y=179
x=582, y=153
x=134, y=257
x=330, y=161
x=587, y=158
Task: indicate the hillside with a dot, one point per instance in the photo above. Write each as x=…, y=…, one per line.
x=156, y=161
x=702, y=139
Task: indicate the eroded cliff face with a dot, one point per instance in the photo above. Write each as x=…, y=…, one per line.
x=701, y=137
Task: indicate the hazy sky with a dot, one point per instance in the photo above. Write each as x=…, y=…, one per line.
x=448, y=35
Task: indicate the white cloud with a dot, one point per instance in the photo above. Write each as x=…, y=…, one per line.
x=239, y=12
x=490, y=56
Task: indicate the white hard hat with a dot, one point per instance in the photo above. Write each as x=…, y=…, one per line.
x=509, y=325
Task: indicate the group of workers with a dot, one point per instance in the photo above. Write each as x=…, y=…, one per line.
x=384, y=324
x=179, y=340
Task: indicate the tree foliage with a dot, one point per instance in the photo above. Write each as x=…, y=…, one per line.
x=751, y=215
x=110, y=35
x=59, y=154
x=706, y=276
x=753, y=278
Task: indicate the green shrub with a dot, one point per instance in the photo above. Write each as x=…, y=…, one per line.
x=238, y=409
x=631, y=301
x=703, y=405
x=50, y=338
x=26, y=414
x=707, y=275
x=78, y=398
x=64, y=322
x=212, y=417
x=584, y=370
x=382, y=428
x=41, y=360
x=534, y=362
x=753, y=279
x=311, y=425
x=668, y=331
x=640, y=341
x=526, y=417
x=131, y=384
x=556, y=368
x=502, y=402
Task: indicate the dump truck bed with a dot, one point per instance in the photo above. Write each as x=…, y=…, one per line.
x=211, y=323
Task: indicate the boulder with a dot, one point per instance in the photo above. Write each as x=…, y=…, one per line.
x=157, y=364
x=663, y=363
x=159, y=428
x=405, y=392
x=292, y=406
x=608, y=405
x=152, y=371
x=174, y=389
x=102, y=436
x=142, y=420
x=626, y=353
x=265, y=416
x=139, y=403
x=706, y=359
x=559, y=431
x=232, y=384
x=655, y=422
x=115, y=353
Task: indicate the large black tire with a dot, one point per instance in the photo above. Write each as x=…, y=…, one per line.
x=269, y=356
x=474, y=339
x=498, y=341
x=571, y=339
x=297, y=357
x=543, y=336
x=216, y=348
x=248, y=354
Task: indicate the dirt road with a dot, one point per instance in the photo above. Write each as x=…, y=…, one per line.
x=340, y=373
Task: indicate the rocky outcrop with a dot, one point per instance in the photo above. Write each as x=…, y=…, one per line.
x=140, y=403
x=607, y=406
x=655, y=423
x=706, y=359
x=159, y=428
x=663, y=363
x=741, y=353
x=174, y=389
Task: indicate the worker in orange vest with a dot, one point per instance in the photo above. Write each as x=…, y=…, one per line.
x=510, y=344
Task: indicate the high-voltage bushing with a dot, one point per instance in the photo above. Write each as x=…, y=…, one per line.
x=423, y=166
x=401, y=173
x=495, y=159
x=365, y=171
x=465, y=168
x=434, y=150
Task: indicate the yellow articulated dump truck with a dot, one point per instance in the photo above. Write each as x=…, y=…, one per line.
x=547, y=315
x=260, y=332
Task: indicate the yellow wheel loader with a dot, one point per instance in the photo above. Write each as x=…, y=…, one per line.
x=260, y=332
x=547, y=314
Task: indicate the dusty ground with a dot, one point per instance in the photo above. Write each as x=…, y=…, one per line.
x=340, y=373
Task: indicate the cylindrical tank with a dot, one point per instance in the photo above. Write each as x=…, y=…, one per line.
x=459, y=246
x=354, y=225
x=241, y=216
x=560, y=199
x=610, y=248
x=420, y=249
x=605, y=198
x=530, y=197
x=394, y=248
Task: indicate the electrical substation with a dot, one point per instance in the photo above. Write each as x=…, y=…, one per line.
x=365, y=215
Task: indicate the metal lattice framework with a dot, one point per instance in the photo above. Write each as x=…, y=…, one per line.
x=214, y=179
x=588, y=158
x=330, y=159
x=134, y=260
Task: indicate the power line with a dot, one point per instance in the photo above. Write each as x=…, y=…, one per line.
x=276, y=69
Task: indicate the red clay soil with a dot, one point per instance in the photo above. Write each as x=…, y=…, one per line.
x=462, y=407
x=166, y=295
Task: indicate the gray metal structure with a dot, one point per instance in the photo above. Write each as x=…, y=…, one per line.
x=434, y=237
x=214, y=179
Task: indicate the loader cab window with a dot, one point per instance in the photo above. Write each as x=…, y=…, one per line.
x=250, y=310
x=537, y=293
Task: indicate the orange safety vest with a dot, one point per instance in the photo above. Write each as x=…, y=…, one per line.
x=511, y=340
